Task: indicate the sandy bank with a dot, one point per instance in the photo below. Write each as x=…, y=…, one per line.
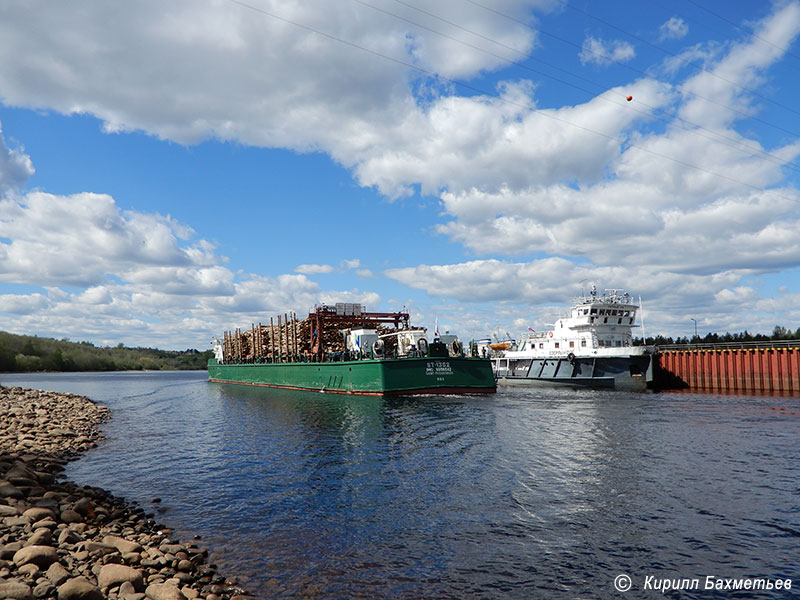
x=61, y=540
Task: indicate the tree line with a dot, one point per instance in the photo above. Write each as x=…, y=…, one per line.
x=24, y=353
x=779, y=333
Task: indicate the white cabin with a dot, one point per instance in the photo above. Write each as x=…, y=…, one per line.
x=596, y=326
x=360, y=340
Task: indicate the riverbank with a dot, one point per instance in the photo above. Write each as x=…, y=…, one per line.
x=60, y=540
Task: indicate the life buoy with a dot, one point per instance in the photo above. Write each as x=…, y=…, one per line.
x=550, y=334
x=377, y=347
x=571, y=357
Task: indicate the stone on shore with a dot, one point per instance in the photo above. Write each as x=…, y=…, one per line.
x=16, y=590
x=37, y=514
x=61, y=541
x=57, y=574
x=9, y=490
x=123, y=545
x=164, y=591
x=41, y=556
x=79, y=588
x=112, y=575
x=71, y=516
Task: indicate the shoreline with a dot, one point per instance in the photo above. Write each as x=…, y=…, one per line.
x=63, y=541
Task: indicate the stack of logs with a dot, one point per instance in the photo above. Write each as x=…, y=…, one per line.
x=277, y=342
x=288, y=339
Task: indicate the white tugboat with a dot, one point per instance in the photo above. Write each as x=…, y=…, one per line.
x=591, y=347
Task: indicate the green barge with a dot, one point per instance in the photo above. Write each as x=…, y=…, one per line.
x=345, y=350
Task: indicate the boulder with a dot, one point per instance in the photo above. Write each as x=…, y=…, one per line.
x=40, y=537
x=164, y=591
x=71, y=516
x=41, y=556
x=38, y=513
x=16, y=590
x=16, y=521
x=8, y=511
x=121, y=544
x=67, y=536
x=112, y=575
x=43, y=590
x=97, y=549
x=79, y=588
x=57, y=574
x=82, y=506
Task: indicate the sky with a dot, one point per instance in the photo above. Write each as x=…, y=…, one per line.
x=169, y=171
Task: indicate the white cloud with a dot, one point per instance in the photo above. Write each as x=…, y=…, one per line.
x=494, y=295
x=352, y=263
x=674, y=28
x=22, y=304
x=82, y=238
x=602, y=52
x=461, y=142
x=142, y=277
x=669, y=194
x=313, y=269
x=599, y=182
x=95, y=295
x=718, y=95
x=120, y=62
x=15, y=168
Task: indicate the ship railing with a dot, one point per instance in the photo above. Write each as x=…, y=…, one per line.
x=344, y=356
x=753, y=345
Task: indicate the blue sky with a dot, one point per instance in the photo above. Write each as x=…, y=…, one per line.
x=167, y=172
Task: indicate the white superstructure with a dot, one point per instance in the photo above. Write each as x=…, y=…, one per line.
x=597, y=326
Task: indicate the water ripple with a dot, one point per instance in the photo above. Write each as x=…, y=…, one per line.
x=525, y=494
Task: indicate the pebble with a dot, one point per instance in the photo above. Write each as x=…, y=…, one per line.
x=61, y=541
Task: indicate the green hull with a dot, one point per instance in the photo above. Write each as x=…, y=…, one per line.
x=367, y=377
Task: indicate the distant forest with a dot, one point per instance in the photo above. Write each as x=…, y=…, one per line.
x=779, y=333
x=24, y=353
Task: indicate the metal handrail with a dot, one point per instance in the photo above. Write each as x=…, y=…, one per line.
x=733, y=345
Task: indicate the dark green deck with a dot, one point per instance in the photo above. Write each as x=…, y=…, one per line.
x=375, y=377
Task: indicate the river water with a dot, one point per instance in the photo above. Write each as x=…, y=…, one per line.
x=528, y=493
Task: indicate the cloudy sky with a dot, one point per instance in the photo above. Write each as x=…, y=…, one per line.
x=170, y=170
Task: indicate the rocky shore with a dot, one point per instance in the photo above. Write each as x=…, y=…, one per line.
x=60, y=540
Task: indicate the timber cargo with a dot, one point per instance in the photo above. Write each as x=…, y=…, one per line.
x=344, y=349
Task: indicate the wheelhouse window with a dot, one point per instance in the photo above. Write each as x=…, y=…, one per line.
x=583, y=343
x=557, y=344
x=572, y=344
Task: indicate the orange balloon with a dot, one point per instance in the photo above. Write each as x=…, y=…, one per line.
x=630, y=98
